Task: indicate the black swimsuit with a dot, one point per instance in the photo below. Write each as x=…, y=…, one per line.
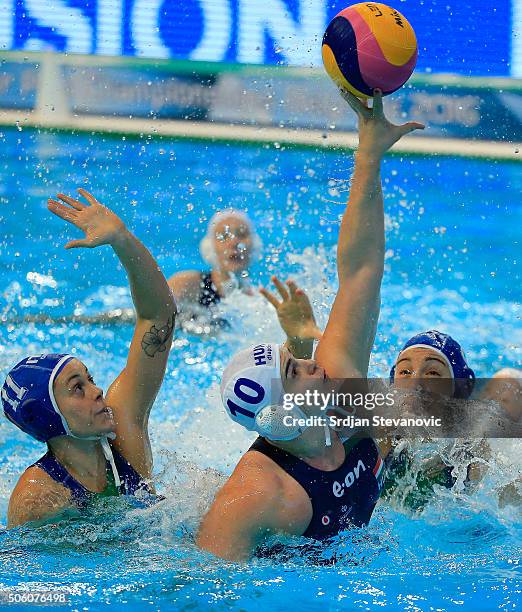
x=208, y=298
x=208, y=295
x=342, y=498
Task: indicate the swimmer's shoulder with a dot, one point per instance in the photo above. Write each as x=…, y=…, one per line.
x=251, y=484
x=253, y=503
x=36, y=497
x=186, y=285
x=294, y=508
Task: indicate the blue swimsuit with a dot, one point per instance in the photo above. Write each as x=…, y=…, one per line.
x=131, y=481
x=342, y=498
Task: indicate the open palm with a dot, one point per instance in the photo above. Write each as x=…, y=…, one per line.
x=295, y=313
x=101, y=225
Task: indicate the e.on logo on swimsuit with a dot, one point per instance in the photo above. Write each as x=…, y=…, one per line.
x=339, y=488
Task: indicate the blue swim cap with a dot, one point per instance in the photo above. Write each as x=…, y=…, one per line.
x=28, y=398
x=452, y=352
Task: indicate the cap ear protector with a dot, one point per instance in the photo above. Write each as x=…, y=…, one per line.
x=279, y=423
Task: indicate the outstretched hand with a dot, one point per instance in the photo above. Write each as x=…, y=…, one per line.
x=376, y=133
x=101, y=225
x=294, y=312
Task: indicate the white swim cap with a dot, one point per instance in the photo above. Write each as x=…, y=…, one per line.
x=252, y=393
x=206, y=246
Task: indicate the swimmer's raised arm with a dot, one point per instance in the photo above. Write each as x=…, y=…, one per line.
x=296, y=317
x=132, y=394
x=344, y=350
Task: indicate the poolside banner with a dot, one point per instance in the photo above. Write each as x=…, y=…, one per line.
x=303, y=99
x=139, y=93
x=456, y=110
x=18, y=85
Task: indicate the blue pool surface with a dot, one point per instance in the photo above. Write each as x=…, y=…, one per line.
x=454, y=229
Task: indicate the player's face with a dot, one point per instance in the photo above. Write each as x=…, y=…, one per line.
x=81, y=402
x=233, y=244
x=298, y=375
x=423, y=368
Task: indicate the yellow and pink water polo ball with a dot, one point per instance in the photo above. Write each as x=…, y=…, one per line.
x=369, y=46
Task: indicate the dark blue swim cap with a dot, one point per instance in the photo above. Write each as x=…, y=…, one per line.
x=451, y=350
x=28, y=398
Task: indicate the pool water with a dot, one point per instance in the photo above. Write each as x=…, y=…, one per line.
x=454, y=228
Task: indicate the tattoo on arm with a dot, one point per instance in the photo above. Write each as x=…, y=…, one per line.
x=155, y=340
